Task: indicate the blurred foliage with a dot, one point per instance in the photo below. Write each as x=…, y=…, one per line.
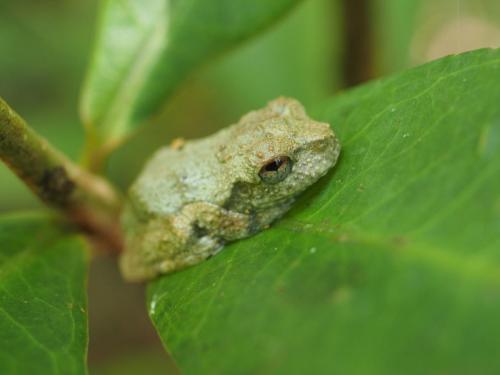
x=46, y=47
x=405, y=32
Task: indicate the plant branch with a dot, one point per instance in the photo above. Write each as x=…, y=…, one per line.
x=85, y=199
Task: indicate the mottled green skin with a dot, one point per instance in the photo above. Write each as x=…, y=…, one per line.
x=192, y=199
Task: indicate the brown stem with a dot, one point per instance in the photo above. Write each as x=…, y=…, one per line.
x=87, y=200
x=358, y=60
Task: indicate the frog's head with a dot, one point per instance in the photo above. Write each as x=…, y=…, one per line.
x=277, y=152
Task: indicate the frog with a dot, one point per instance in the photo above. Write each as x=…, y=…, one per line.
x=193, y=197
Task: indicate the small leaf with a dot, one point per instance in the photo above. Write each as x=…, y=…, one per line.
x=43, y=303
x=145, y=48
x=389, y=265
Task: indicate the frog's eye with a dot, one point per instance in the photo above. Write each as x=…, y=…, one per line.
x=275, y=170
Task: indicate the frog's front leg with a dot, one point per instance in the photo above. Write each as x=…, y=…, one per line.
x=203, y=228
x=203, y=220
x=166, y=244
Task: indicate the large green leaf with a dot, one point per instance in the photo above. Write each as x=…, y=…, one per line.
x=43, y=303
x=389, y=265
x=145, y=48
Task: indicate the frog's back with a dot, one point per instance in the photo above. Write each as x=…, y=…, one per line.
x=176, y=177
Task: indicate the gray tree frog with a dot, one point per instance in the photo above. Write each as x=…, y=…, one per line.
x=194, y=197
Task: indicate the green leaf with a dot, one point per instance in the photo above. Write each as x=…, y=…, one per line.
x=389, y=265
x=43, y=303
x=145, y=48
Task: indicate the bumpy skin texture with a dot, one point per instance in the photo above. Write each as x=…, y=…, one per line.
x=192, y=198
